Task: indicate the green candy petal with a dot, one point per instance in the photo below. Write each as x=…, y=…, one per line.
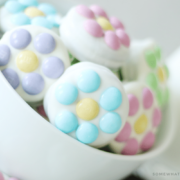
x=152, y=81
x=159, y=97
x=74, y=61
x=157, y=53
x=151, y=59
x=166, y=96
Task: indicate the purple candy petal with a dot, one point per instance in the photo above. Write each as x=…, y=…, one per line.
x=11, y=77
x=33, y=83
x=5, y=54
x=53, y=67
x=20, y=38
x=44, y=43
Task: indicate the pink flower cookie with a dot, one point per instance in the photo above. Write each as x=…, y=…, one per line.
x=144, y=117
x=91, y=35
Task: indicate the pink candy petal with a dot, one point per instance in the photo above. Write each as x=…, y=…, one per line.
x=41, y=111
x=133, y=104
x=98, y=11
x=157, y=117
x=1, y=176
x=93, y=28
x=85, y=11
x=147, y=98
x=116, y=23
x=112, y=40
x=124, y=134
x=124, y=38
x=131, y=147
x=148, y=141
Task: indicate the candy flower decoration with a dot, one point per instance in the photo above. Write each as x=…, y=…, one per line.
x=146, y=65
x=142, y=123
x=89, y=103
x=25, y=12
x=31, y=59
x=91, y=35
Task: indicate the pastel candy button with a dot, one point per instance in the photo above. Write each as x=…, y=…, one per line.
x=20, y=38
x=29, y=2
x=33, y=83
x=156, y=117
x=1, y=176
x=33, y=12
x=66, y=93
x=131, y=147
x=20, y=19
x=157, y=52
x=44, y=43
x=87, y=133
x=116, y=23
x=85, y=11
x=110, y=123
x=5, y=54
x=53, y=20
x=104, y=23
x=124, y=134
x=98, y=11
x=53, y=67
x=14, y=6
x=42, y=21
x=111, y=99
x=124, y=38
x=150, y=59
x=47, y=8
x=133, y=104
x=147, y=98
x=40, y=110
x=93, y=28
x=140, y=125
x=148, y=141
x=152, y=81
x=27, y=61
x=66, y=122
x=88, y=81
x=11, y=77
x=87, y=109
x=112, y=40
x=161, y=74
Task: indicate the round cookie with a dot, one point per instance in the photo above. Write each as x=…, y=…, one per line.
x=90, y=35
x=24, y=12
x=32, y=58
x=147, y=65
x=89, y=103
x=142, y=123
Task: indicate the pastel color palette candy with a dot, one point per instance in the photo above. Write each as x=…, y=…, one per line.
x=24, y=12
x=142, y=123
x=89, y=29
x=31, y=59
x=146, y=64
x=88, y=103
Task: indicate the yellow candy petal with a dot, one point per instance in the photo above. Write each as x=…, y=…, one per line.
x=161, y=74
x=141, y=124
x=87, y=109
x=33, y=12
x=27, y=61
x=104, y=23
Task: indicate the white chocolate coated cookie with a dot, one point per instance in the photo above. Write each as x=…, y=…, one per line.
x=90, y=35
x=25, y=12
x=89, y=103
x=147, y=65
x=143, y=120
x=31, y=59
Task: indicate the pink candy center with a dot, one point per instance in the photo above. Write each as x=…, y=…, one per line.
x=156, y=117
x=131, y=147
x=124, y=134
x=93, y=28
x=116, y=23
x=133, y=104
x=148, y=141
x=85, y=11
x=112, y=40
x=124, y=38
x=98, y=11
x=41, y=111
x=147, y=98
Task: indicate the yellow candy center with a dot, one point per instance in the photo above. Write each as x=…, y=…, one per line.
x=141, y=124
x=161, y=74
x=104, y=23
x=33, y=12
x=87, y=109
x=27, y=61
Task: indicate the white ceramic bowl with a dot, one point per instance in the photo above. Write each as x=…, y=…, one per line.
x=32, y=149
